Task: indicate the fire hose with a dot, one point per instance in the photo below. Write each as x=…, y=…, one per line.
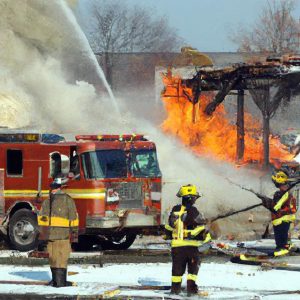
x=265, y=202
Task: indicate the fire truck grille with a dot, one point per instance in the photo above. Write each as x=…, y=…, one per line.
x=131, y=195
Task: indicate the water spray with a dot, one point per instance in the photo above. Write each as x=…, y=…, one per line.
x=85, y=42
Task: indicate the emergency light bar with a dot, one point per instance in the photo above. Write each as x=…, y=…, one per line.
x=112, y=137
x=24, y=137
x=19, y=137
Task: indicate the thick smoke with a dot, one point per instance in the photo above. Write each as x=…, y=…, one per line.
x=45, y=66
x=214, y=180
x=50, y=82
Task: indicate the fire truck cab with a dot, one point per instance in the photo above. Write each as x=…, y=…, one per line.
x=114, y=180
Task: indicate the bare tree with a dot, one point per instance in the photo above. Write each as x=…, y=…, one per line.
x=275, y=31
x=117, y=27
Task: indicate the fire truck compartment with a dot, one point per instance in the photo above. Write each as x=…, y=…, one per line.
x=135, y=219
x=132, y=219
x=102, y=222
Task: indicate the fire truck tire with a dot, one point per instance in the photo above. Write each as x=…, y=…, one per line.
x=23, y=233
x=120, y=243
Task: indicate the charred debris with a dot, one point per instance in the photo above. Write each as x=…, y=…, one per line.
x=269, y=83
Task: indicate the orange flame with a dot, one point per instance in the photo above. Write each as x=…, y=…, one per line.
x=215, y=135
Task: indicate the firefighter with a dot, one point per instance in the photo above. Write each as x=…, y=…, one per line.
x=58, y=224
x=186, y=228
x=283, y=209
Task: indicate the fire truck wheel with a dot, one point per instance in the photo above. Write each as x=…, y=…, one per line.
x=23, y=230
x=122, y=241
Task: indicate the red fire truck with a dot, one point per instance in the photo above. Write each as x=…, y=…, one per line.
x=114, y=180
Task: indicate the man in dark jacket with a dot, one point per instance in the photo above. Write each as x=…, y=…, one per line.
x=186, y=228
x=58, y=221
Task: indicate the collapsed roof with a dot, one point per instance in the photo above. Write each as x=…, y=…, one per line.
x=275, y=72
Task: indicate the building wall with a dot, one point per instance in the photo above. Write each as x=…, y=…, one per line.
x=131, y=69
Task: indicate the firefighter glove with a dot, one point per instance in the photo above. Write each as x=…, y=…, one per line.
x=74, y=235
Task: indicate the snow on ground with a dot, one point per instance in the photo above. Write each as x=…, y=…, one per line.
x=222, y=281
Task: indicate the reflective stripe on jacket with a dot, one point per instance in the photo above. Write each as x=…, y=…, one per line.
x=57, y=222
x=286, y=218
x=185, y=230
x=284, y=208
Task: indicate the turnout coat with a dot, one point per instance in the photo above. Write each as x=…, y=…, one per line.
x=58, y=218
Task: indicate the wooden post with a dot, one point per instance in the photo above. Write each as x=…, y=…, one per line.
x=196, y=94
x=194, y=113
x=240, y=143
x=266, y=136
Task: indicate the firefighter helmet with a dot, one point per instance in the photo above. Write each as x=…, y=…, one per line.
x=188, y=190
x=280, y=177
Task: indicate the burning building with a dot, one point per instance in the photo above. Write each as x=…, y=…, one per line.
x=193, y=99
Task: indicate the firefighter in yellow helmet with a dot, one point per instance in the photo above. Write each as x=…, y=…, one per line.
x=186, y=228
x=58, y=225
x=283, y=209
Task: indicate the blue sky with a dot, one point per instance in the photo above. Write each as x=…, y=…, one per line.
x=206, y=24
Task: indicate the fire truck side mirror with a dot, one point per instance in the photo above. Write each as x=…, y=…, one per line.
x=59, y=164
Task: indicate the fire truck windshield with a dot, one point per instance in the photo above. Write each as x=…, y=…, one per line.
x=144, y=163
x=104, y=164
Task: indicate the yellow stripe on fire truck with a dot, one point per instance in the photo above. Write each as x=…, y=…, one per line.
x=86, y=193
x=74, y=193
x=24, y=193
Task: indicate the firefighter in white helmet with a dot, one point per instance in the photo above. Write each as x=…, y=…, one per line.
x=58, y=224
x=186, y=228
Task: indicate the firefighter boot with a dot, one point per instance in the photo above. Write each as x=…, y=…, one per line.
x=281, y=252
x=68, y=283
x=291, y=247
x=61, y=278
x=176, y=288
x=192, y=288
x=52, y=282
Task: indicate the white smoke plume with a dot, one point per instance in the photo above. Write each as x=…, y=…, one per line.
x=43, y=61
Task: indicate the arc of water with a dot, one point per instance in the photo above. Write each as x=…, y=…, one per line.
x=86, y=44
